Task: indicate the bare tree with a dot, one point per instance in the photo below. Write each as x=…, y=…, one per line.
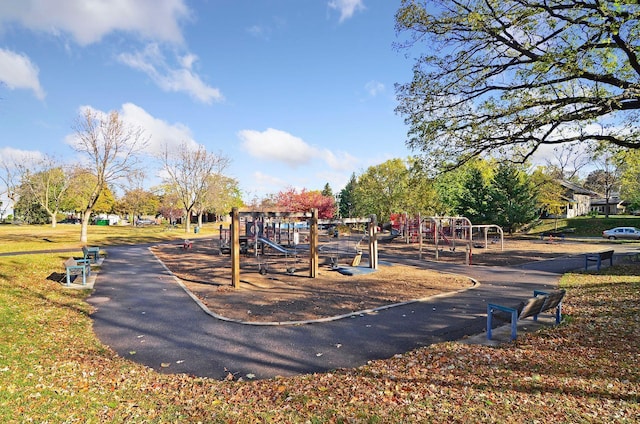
x=111, y=147
x=568, y=160
x=10, y=178
x=606, y=178
x=188, y=172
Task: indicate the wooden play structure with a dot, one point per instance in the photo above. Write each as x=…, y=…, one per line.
x=272, y=229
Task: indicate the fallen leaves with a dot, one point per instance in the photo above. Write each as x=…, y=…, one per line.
x=585, y=370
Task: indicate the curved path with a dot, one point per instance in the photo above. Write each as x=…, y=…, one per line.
x=145, y=316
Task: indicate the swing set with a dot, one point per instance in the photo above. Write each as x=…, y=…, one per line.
x=260, y=234
x=446, y=232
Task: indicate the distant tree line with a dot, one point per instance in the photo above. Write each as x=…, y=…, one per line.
x=110, y=152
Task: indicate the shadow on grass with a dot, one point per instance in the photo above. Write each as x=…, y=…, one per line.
x=58, y=277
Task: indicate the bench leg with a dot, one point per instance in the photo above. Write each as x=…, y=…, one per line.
x=68, y=278
x=514, y=323
x=598, y=263
x=559, y=313
x=489, y=321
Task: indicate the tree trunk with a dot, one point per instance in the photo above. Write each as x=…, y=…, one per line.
x=86, y=215
x=187, y=227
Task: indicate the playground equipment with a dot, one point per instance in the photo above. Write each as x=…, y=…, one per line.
x=450, y=232
x=254, y=232
x=288, y=253
x=345, y=240
x=484, y=230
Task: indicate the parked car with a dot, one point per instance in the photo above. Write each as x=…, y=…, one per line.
x=629, y=233
x=143, y=222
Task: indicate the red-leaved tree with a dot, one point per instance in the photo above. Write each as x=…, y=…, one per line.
x=303, y=201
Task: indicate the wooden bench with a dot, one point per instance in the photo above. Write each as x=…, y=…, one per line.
x=598, y=258
x=77, y=267
x=91, y=252
x=541, y=301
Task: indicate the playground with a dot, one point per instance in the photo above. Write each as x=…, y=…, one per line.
x=280, y=295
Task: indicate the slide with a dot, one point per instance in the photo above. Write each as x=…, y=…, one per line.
x=276, y=246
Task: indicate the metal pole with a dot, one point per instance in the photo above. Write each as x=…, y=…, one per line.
x=313, y=244
x=235, y=249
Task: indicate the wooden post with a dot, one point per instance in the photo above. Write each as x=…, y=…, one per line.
x=373, y=242
x=235, y=248
x=313, y=244
x=406, y=227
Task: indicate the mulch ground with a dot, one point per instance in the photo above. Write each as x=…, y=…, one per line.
x=282, y=295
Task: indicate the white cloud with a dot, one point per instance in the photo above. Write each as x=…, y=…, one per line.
x=11, y=156
x=264, y=181
x=262, y=184
x=346, y=7
x=277, y=145
x=259, y=31
x=161, y=134
x=88, y=21
x=374, y=88
x=18, y=72
x=176, y=78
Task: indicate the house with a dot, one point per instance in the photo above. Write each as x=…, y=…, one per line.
x=615, y=205
x=577, y=198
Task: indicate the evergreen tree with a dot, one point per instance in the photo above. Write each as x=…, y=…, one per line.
x=513, y=197
x=347, y=198
x=474, y=198
x=326, y=191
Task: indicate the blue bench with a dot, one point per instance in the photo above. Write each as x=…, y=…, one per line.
x=77, y=267
x=541, y=301
x=598, y=258
x=91, y=252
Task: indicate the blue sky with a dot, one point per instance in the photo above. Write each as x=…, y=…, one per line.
x=297, y=93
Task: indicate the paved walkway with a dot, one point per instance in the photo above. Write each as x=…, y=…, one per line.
x=145, y=316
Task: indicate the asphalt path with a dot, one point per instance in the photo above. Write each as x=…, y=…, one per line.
x=145, y=315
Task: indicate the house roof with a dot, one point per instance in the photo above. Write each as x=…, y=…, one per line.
x=576, y=189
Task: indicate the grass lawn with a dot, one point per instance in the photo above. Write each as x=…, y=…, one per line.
x=586, y=226
x=22, y=238
x=54, y=370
